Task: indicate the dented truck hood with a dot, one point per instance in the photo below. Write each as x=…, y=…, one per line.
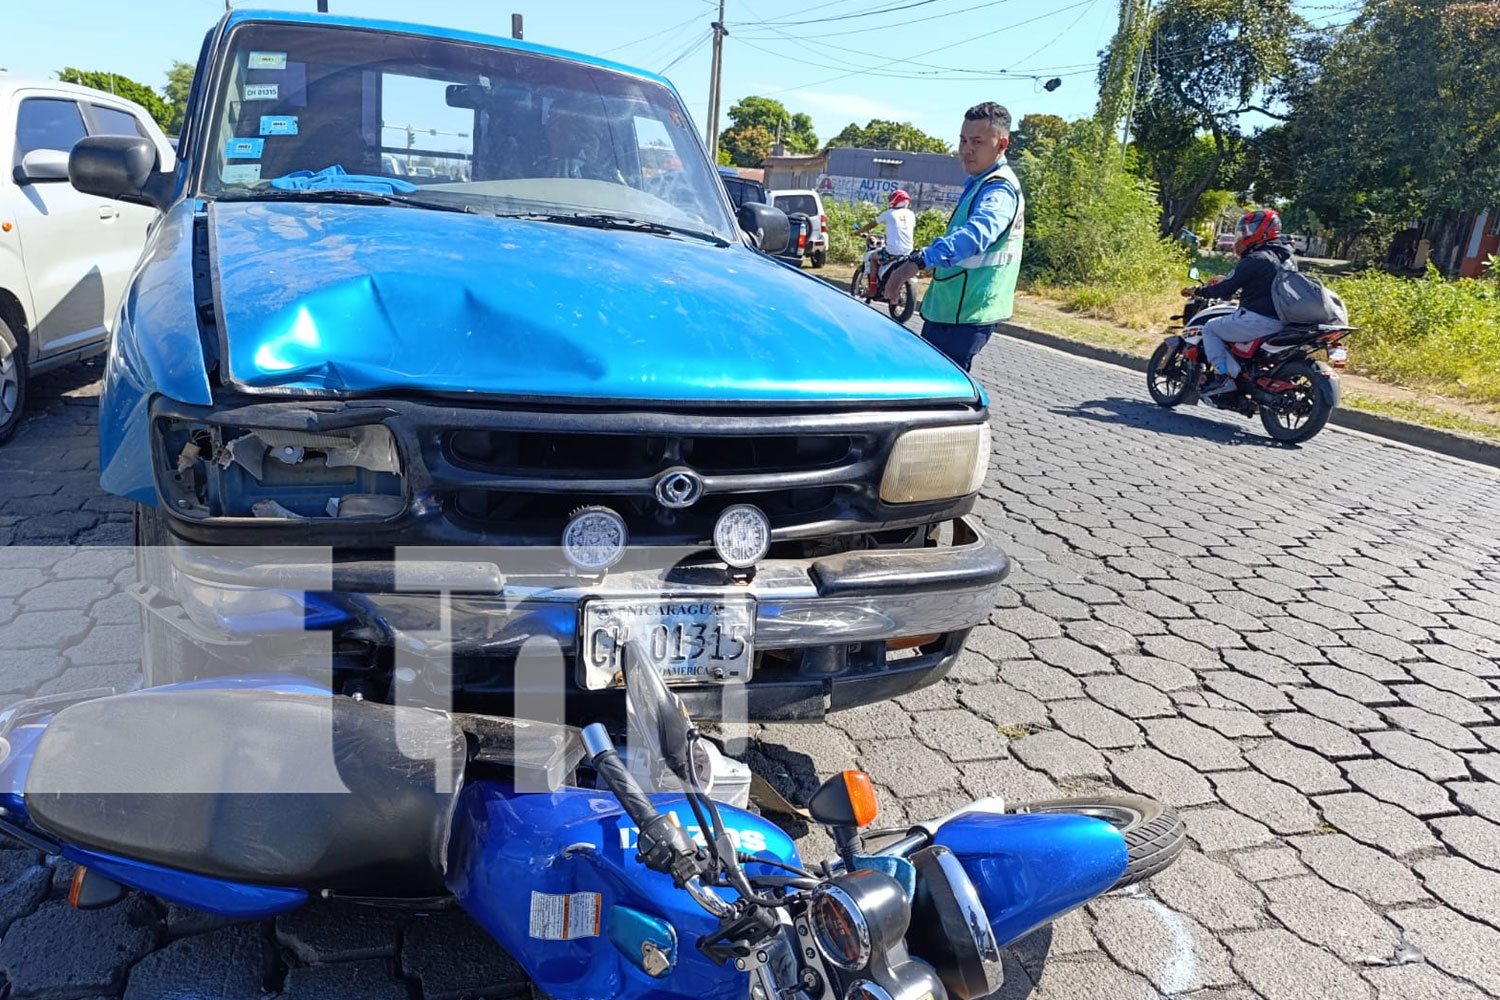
x=357, y=299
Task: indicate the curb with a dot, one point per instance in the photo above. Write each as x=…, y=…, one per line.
x=1460, y=446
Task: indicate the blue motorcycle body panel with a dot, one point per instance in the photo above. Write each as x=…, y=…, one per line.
x=514, y=853
x=1030, y=869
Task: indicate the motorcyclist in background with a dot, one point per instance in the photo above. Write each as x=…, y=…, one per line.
x=900, y=224
x=1262, y=255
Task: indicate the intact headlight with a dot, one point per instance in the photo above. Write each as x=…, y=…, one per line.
x=936, y=463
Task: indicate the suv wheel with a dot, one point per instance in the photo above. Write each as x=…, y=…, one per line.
x=13, y=377
x=819, y=258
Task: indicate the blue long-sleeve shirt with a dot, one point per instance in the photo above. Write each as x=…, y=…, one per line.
x=990, y=216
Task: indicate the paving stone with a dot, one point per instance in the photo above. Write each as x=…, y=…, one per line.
x=972, y=668
x=1464, y=886
x=232, y=963
x=1026, y=623
x=1256, y=695
x=43, y=630
x=1377, y=823
x=1462, y=659
x=1398, y=786
x=1263, y=666
x=1280, y=966
x=1128, y=619
x=1331, y=918
x=1453, y=680
x=1444, y=703
x=1175, y=952
x=1153, y=774
x=1216, y=829
x=1130, y=697
x=120, y=676
x=1096, y=725
x=1351, y=865
x=1377, y=668
x=1184, y=739
x=98, y=945
x=1211, y=893
x=1096, y=980
x=1486, y=765
x=1189, y=654
x=1319, y=735
x=1481, y=797
x=883, y=720
x=997, y=644
x=1381, y=645
x=960, y=735
x=1206, y=633
x=907, y=767
x=1455, y=944
x=371, y=979
x=453, y=958
x=1230, y=723
x=1006, y=779
x=183, y=921
x=1472, y=837
x=1350, y=684
x=1266, y=863
x=1280, y=807
x=1489, y=735
x=22, y=670
x=1304, y=770
x=340, y=932
x=930, y=698
x=1337, y=709
x=1284, y=646
x=1164, y=675
x=1041, y=680
x=24, y=889
x=1004, y=705
x=97, y=561
x=1060, y=755
x=1433, y=728
x=1107, y=639
x=65, y=595
x=1406, y=750
x=1418, y=982
x=1071, y=656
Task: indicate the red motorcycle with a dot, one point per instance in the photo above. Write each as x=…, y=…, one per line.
x=1284, y=380
x=868, y=283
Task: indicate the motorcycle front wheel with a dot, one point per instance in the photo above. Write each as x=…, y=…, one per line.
x=1154, y=834
x=857, y=283
x=1302, y=409
x=1169, y=376
x=901, y=310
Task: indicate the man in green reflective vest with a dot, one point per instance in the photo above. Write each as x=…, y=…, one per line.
x=976, y=263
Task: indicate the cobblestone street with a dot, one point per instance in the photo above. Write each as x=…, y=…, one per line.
x=1300, y=649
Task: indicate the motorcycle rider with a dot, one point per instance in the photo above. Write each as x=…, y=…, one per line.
x=900, y=224
x=1262, y=255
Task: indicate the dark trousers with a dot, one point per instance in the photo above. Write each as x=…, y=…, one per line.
x=960, y=341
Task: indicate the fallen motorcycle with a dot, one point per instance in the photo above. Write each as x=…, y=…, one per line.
x=868, y=283
x=1283, y=380
x=244, y=797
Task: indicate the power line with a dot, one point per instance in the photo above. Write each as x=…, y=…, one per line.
x=694, y=46
x=840, y=17
x=655, y=34
x=1057, y=37
x=888, y=27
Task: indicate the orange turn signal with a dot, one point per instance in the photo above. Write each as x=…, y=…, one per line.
x=910, y=641
x=76, y=886
x=862, y=797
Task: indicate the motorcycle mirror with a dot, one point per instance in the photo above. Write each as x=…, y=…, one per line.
x=661, y=716
x=1194, y=274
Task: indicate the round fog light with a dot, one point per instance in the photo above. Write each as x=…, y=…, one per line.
x=595, y=539
x=742, y=535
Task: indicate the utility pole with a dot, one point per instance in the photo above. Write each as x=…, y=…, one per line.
x=515, y=27
x=1135, y=85
x=713, y=85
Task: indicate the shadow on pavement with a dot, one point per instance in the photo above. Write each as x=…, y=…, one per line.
x=1181, y=422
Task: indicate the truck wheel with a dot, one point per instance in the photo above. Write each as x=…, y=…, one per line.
x=13, y=378
x=167, y=656
x=819, y=258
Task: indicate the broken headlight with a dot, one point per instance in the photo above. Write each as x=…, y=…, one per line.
x=216, y=470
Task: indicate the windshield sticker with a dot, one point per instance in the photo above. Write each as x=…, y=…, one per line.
x=267, y=60
x=240, y=173
x=278, y=124
x=243, y=149
x=262, y=91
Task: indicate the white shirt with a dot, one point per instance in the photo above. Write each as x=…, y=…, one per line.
x=900, y=230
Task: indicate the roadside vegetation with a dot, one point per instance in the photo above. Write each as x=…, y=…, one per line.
x=846, y=248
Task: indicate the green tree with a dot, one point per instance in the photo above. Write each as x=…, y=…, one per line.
x=1033, y=129
x=179, y=82
x=764, y=113
x=122, y=86
x=881, y=134
x=748, y=145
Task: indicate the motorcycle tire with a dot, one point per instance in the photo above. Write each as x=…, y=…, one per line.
x=1154, y=834
x=901, y=311
x=167, y=656
x=1300, y=421
x=1160, y=379
x=857, y=283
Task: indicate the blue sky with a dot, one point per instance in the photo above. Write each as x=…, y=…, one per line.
x=815, y=57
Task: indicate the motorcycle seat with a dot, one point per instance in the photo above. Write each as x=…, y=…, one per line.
x=260, y=787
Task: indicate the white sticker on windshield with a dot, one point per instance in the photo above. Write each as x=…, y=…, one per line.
x=243, y=149
x=563, y=918
x=262, y=91
x=240, y=173
x=278, y=124
x=267, y=60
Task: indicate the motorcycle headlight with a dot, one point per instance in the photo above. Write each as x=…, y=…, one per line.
x=937, y=463
x=842, y=931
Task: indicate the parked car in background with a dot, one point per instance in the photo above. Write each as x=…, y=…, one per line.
x=743, y=189
x=1298, y=242
x=807, y=203
x=64, y=255
x=1224, y=241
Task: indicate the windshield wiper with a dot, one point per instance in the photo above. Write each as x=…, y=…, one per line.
x=349, y=196
x=606, y=221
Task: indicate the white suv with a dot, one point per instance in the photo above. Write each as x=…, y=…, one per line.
x=809, y=204
x=64, y=255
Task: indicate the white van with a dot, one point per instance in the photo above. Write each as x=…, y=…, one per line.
x=807, y=203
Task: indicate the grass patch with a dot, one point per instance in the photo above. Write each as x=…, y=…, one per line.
x=1018, y=731
x=1429, y=416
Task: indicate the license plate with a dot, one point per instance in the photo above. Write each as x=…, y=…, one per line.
x=692, y=640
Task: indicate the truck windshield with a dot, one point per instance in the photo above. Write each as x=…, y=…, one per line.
x=451, y=123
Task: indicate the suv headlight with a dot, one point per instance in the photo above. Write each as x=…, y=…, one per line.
x=937, y=463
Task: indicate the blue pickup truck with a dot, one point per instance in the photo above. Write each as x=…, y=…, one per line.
x=450, y=363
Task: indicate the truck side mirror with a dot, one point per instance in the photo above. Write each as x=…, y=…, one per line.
x=767, y=226
x=122, y=167
x=42, y=165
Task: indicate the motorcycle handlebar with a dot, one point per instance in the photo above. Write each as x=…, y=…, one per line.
x=606, y=759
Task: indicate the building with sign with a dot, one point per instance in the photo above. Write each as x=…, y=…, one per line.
x=842, y=173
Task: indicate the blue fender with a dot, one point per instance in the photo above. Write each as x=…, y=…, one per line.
x=1030, y=869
